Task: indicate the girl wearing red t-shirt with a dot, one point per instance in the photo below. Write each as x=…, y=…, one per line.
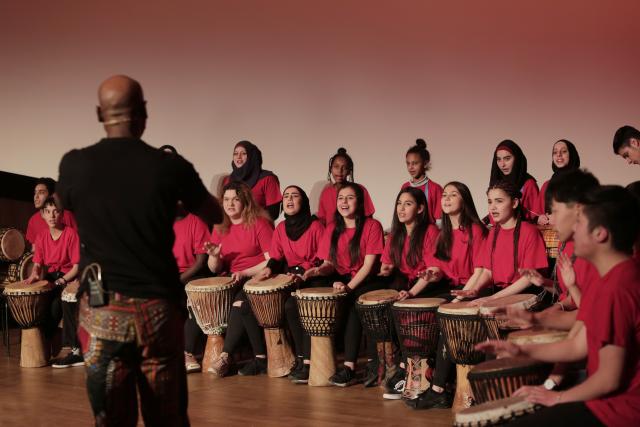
x=564, y=157
x=264, y=184
x=512, y=244
x=418, y=163
x=294, y=249
x=351, y=246
x=510, y=164
x=239, y=246
x=340, y=172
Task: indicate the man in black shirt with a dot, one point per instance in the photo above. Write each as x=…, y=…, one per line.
x=123, y=193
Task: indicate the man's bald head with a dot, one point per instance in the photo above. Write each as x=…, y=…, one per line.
x=122, y=106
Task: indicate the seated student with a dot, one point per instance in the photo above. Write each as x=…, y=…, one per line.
x=510, y=164
x=418, y=163
x=294, y=248
x=191, y=235
x=512, y=244
x=607, y=332
x=351, y=246
x=264, y=184
x=239, y=246
x=56, y=258
x=340, y=172
x=626, y=144
x=45, y=187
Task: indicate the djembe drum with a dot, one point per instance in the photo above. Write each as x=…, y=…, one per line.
x=320, y=310
x=551, y=241
x=12, y=244
x=497, y=328
x=495, y=412
x=267, y=299
x=417, y=330
x=29, y=305
x=537, y=335
x=22, y=269
x=210, y=300
x=374, y=310
x=500, y=378
x=462, y=328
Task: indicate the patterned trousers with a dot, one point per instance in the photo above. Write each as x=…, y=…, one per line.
x=129, y=343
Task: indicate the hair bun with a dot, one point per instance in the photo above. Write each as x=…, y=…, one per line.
x=342, y=150
x=421, y=143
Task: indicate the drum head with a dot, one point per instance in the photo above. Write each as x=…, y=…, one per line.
x=508, y=363
x=210, y=284
x=420, y=303
x=12, y=244
x=319, y=293
x=537, y=336
x=378, y=297
x=525, y=301
x=459, y=309
x=271, y=284
x=493, y=412
x=22, y=288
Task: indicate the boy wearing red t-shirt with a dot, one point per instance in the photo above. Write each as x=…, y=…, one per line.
x=607, y=328
x=45, y=187
x=56, y=258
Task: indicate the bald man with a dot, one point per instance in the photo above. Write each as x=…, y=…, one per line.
x=626, y=144
x=124, y=194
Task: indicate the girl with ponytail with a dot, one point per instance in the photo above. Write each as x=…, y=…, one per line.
x=418, y=161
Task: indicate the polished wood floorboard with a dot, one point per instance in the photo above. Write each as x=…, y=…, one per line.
x=57, y=397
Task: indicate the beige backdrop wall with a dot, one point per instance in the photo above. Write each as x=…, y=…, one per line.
x=301, y=78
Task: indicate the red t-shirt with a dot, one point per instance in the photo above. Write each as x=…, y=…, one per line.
x=244, y=246
x=328, y=202
x=428, y=249
x=540, y=204
x=371, y=243
x=586, y=273
x=530, y=199
x=531, y=253
x=463, y=260
x=37, y=224
x=302, y=252
x=58, y=255
x=434, y=196
x=612, y=317
x=191, y=235
x=266, y=192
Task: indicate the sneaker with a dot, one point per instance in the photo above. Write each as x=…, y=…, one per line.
x=256, y=367
x=220, y=366
x=343, y=377
x=71, y=359
x=190, y=363
x=395, y=385
x=301, y=376
x=431, y=399
x=371, y=374
x=299, y=364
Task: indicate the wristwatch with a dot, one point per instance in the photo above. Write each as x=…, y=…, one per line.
x=549, y=384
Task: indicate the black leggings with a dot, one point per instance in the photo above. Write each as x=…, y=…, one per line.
x=192, y=334
x=574, y=413
x=241, y=320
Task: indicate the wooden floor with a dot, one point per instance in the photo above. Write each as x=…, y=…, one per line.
x=57, y=397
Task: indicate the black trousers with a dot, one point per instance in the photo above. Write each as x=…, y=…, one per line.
x=574, y=413
x=193, y=335
x=241, y=321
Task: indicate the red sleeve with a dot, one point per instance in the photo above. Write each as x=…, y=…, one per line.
x=530, y=199
x=374, y=244
x=478, y=246
x=616, y=323
x=38, y=256
x=540, y=206
x=532, y=244
x=275, y=251
x=200, y=235
x=216, y=238
x=322, y=213
x=325, y=243
x=369, y=209
x=429, y=246
x=435, y=200
x=31, y=229
x=74, y=249
x=264, y=232
x=484, y=260
x=318, y=232
x=271, y=189
x=386, y=252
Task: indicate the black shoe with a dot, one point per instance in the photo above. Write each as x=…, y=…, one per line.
x=343, y=377
x=371, y=374
x=301, y=376
x=68, y=361
x=395, y=385
x=431, y=399
x=256, y=367
x=298, y=366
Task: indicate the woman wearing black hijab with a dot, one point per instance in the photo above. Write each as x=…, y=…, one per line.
x=264, y=184
x=564, y=157
x=510, y=164
x=294, y=248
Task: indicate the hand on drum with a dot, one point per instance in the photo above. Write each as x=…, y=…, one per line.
x=263, y=274
x=543, y=219
x=341, y=287
x=565, y=266
x=403, y=295
x=385, y=270
x=539, y=394
x=29, y=280
x=238, y=276
x=533, y=275
x=461, y=294
x=312, y=272
x=517, y=316
x=212, y=250
x=479, y=301
x=297, y=278
x=499, y=348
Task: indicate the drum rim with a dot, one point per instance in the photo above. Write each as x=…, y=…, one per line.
x=525, y=333
x=29, y=290
x=258, y=284
x=519, y=406
x=193, y=286
x=307, y=294
x=392, y=293
x=444, y=309
x=526, y=364
x=407, y=303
